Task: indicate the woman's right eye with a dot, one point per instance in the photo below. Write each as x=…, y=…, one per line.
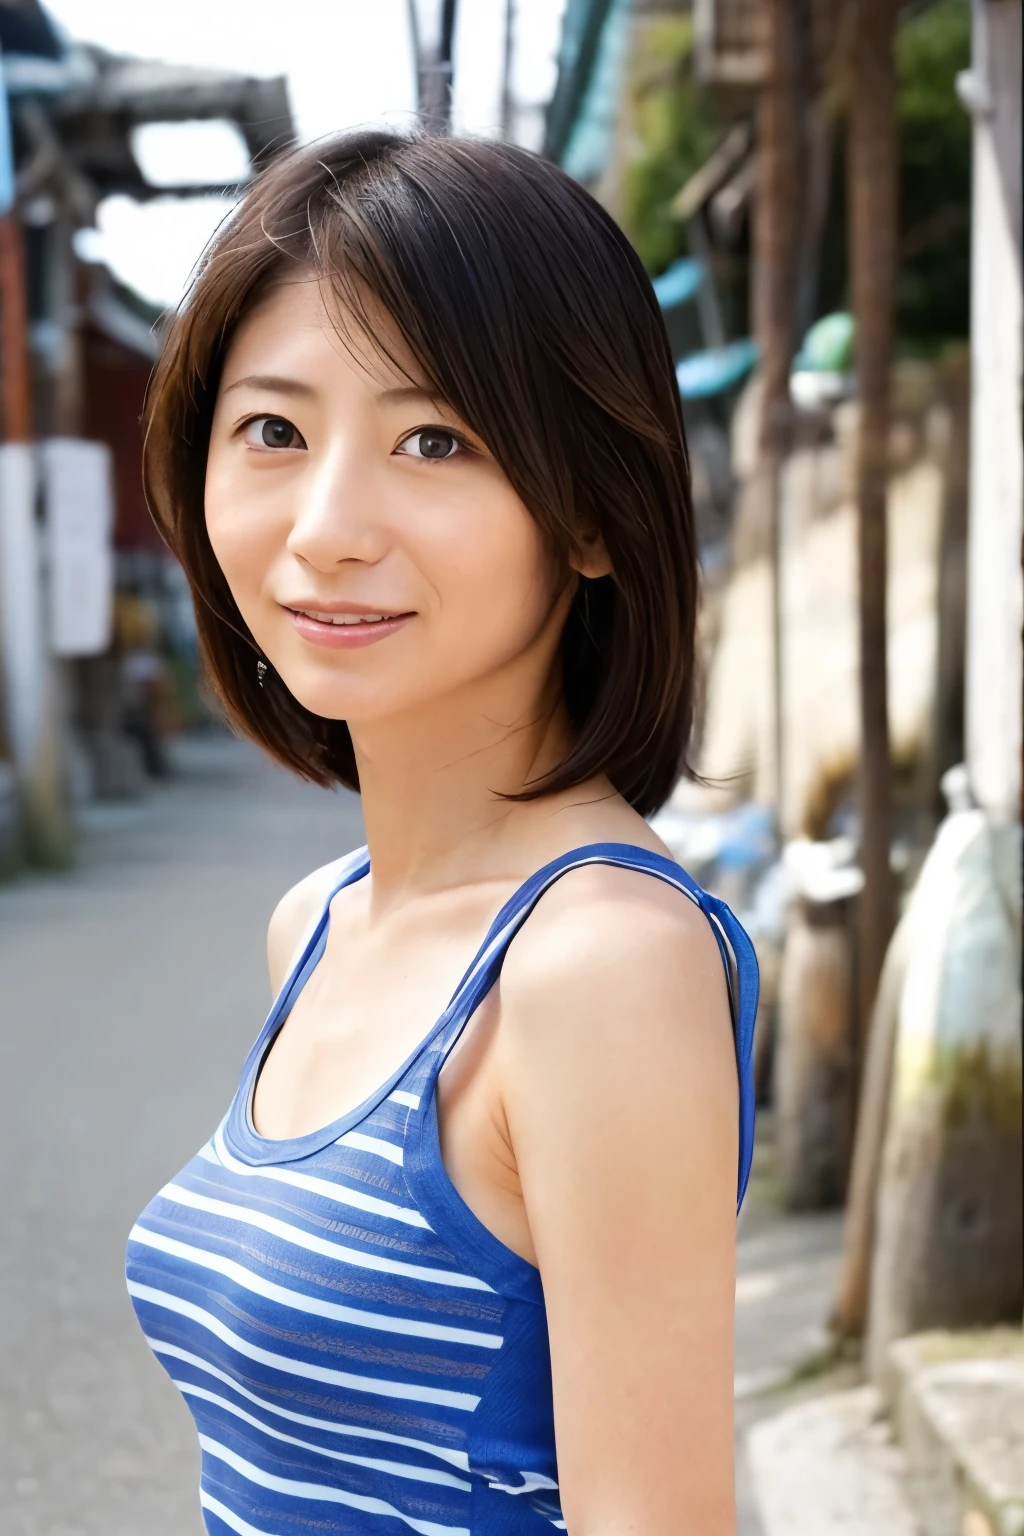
x=272, y=432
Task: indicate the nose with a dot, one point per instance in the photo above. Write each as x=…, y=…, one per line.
x=335, y=514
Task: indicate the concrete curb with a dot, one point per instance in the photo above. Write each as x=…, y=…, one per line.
x=828, y=1467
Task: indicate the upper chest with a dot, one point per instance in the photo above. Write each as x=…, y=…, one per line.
x=376, y=992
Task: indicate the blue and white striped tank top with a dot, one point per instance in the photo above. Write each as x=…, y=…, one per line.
x=359, y=1352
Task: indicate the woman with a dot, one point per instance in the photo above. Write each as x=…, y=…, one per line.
x=416, y=440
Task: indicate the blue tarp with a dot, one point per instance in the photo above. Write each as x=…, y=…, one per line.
x=6, y=152
x=589, y=138
x=712, y=372
x=678, y=283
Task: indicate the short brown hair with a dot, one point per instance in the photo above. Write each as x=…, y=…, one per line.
x=531, y=315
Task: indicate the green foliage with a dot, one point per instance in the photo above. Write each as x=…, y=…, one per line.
x=674, y=129
x=935, y=174
x=674, y=132
x=933, y=44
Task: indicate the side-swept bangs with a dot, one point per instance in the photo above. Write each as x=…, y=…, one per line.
x=528, y=311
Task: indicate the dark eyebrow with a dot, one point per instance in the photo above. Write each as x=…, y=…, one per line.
x=273, y=383
x=405, y=392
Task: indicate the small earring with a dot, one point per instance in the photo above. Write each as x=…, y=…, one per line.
x=585, y=611
x=261, y=672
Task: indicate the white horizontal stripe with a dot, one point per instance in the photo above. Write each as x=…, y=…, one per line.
x=532, y=1481
x=328, y=1188
x=410, y=1100
x=289, y=1366
x=373, y=1144
x=458, y=1459
x=324, y=1493
x=228, y=1516
x=177, y=1193
x=286, y=1298
x=392, y=1468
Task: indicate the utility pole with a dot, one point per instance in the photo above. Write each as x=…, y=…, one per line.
x=778, y=228
x=873, y=168
x=873, y=162
x=30, y=682
x=432, y=27
x=812, y=1082
x=507, y=65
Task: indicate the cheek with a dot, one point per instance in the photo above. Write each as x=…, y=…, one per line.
x=494, y=576
x=245, y=535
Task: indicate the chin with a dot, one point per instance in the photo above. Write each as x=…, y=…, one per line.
x=338, y=698
x=327, y=702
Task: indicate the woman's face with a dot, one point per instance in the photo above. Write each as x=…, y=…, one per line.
x=374, y=548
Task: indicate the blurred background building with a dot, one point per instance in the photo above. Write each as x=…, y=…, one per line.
x=827, y=196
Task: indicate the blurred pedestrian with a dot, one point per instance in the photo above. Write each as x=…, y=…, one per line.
x=145, y=686
x=416, y=440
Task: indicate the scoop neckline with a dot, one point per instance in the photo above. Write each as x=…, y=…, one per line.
x=243, y=1139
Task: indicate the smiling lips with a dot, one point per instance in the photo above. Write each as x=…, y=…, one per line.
x=346, y=627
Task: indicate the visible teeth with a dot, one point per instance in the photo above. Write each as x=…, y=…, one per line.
x=344, y=618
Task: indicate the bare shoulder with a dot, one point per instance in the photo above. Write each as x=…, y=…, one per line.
x=606, y=943
x=601, y=919
x=613, y=1011
x=293, y=915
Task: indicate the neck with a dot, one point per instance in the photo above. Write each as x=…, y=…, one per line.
x=432, y=783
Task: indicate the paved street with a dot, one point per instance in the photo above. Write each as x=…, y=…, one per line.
x=130, y=991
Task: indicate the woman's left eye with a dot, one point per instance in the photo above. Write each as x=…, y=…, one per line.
x=430, y=443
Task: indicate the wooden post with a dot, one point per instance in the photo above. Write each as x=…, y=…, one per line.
x=812, y=1063
x=812, y=1090
x=15, y=383
x=32, y=683
x=873, y=163
x=778, y=226
x=947, y=737
x=851, y=1303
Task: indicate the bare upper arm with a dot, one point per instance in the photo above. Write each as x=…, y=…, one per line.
x=618, y=1080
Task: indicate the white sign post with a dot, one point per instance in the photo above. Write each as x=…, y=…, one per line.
x=79, y=506
x=22, y=629
x=31, y=686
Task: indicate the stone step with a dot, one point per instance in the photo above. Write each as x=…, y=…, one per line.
x=958, y=1409
x=828, y=1467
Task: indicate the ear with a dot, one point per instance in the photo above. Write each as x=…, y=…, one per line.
x=590, y=558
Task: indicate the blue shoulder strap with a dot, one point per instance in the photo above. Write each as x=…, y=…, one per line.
x=345, y=871
x=734, y=946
